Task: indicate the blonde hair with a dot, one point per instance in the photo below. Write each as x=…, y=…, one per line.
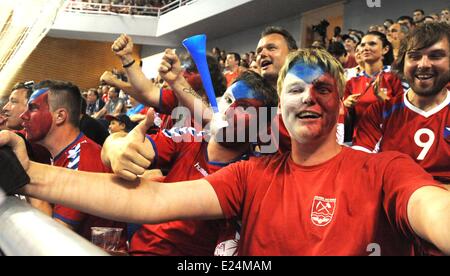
x=318, y=57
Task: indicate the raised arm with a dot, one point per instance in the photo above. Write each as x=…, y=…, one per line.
x=170, y=70
x=429, y=216
x=109, y=78
x=108, y=196
x=144, y=90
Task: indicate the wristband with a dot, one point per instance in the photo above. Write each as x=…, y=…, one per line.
x=12, y=174
x=129, y=64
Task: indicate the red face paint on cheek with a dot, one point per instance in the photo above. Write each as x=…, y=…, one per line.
x=243, y=114
x=39, y=120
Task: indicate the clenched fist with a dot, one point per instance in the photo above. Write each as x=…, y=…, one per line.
x=108, y=78
x=170, y=68
x=123, y=47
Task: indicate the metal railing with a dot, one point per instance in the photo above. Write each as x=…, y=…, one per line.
x=25, y=231
x=112, y=9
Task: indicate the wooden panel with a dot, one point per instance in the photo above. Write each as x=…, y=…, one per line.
x=79, y=61
x=334, y=14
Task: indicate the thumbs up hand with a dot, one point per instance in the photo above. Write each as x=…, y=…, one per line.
x=129, y=156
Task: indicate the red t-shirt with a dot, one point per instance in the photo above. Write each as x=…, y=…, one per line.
x=398, y=125
x=351, y=62
x=356, y=85
x=83, y=154
x=188, y=161
x=231, y=77
x=341, y=207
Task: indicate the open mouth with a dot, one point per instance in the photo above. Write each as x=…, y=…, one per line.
x=305, y=115
x=265, y=64
x=424, y=77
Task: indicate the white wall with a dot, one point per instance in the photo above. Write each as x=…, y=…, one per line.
x=247, y=40
x=359, y=16
x=116, y=24
x=197, y=11
x=241, y=42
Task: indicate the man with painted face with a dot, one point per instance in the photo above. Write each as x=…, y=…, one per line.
x=418, y=122
x=382, y=204
x=16, y=105
x=52, y=120
x=190, y=157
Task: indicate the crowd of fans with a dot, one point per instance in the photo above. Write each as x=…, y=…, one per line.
x=133, y=118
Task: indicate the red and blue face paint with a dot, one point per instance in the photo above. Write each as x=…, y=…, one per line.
x=240, y=106
x=309, y=102
x=37, y=119
x=308, y=73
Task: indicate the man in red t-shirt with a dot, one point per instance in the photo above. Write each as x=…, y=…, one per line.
x=418, y=122
x=336, y=200
x=232, y=70
x=52, y=121
x=190, y=157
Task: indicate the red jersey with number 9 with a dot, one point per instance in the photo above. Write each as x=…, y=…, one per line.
x=399, y=125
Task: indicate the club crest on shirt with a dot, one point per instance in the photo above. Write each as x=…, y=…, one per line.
x=322, y=210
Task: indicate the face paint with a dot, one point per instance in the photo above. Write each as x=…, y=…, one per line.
x=309, y=103
x=37, y=119
x=238, y=91
x=308, y=73
x=239, y=106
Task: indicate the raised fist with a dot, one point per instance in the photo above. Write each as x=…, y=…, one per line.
x=170, y=68
x=123, y=46
x=108, y=78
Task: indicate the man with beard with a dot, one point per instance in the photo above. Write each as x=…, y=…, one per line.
x=384, y=198
x=417, y=122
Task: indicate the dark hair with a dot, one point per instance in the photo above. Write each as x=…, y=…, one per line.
x=388, y=58
x=83, y=106
x=66, y=95
x=237, y=57
x=28, y=86
x=217, y=50
x=260, y=86
x=245, y=64
x=406, y=17
x=389, y=20
x=116, y=89
x=337, y=49
x=419, y=10
x=291, y=43
x=337, y=30
x=93, y=90
x=422, y=37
